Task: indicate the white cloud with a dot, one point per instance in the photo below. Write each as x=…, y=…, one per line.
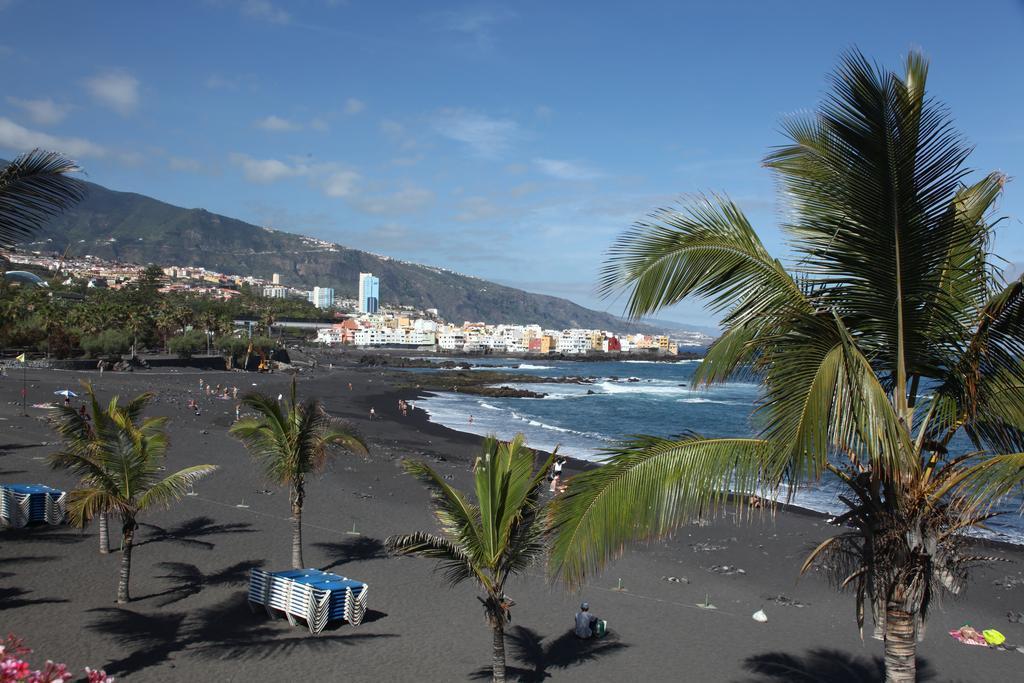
x=45, y=112
x=476, y=21
x=118, y=90
x=21, y=139
x=265, y=171
x=408, y=199
x=341, y=184
x=218, y=82
x=487, y=137
x=474, y=209
x=566, y=170
x=319, y=124
x=184, y=164
x=265, y=10
x=354, y=106
x=277, y=124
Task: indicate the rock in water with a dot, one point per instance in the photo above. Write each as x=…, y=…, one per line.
x=759, y=616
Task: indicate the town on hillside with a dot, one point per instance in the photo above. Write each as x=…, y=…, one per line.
x=365, y=322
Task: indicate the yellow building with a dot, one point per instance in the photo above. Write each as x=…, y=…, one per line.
x=547, y=343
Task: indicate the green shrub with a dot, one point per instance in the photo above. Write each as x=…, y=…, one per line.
x=108, y=343
x=187, y=344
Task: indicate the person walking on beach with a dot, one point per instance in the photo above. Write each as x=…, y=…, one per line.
x=373, y=415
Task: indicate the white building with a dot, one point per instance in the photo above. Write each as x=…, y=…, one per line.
x=451, y=341
x=276, y=278
x=275, y=292
x=329, y=336
x=573, y=342
x=322, y=297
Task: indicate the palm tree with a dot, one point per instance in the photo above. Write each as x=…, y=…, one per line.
x=33, y=188
x=120, y=466
x=487, y=542
x=81, y=435
x=291, y=443
x=890, y=333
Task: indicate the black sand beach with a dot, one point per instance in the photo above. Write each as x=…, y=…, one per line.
x=189, y=619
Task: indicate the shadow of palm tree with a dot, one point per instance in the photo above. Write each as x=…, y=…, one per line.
x=189, y=579
x=22, y=559
x=526, y=646
x=189, y=531
x=352, y=550
x=226, y=630
x=823, y=665
x=9, y=599
x=43, y=533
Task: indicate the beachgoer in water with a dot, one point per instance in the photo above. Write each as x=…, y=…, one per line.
x=585, y=622
x=470, y=419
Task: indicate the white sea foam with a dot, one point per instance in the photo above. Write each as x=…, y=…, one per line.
x=697, y=399
x=527, y=366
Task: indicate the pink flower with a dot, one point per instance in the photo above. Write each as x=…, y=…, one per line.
x=97, y=676
x=13, y=669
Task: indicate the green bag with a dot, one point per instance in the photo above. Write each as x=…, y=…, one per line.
x=600, y=628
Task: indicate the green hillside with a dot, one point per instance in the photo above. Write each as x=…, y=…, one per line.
x=134, y=228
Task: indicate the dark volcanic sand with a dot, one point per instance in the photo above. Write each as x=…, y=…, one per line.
x=189, y=619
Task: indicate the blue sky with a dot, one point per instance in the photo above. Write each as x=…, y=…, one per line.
x=513, y=141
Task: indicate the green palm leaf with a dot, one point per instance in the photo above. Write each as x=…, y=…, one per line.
x=33, y=188
x=649, y=487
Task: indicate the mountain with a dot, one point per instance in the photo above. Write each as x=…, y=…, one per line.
x=133, y=228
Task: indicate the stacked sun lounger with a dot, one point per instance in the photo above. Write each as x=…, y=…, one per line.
x=21, y=504
x=310, y=594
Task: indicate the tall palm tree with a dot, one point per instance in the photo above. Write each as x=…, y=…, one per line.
x=488, y=541
x=82, y=435
x=889, y=334
x=34, y=188
x=121, y=468
x=292, y=443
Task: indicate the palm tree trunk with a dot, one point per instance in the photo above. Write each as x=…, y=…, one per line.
x=498, y=655
x=127, y=534
x=104, y=534
x=297, y=527
x=900, y=645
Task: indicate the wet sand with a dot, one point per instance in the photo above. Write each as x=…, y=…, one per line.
x=189, y=619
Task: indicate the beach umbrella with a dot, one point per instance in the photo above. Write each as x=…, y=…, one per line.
x=66, y=393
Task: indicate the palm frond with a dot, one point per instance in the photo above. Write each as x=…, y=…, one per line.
x=649, y=487
x=452, y=560
x=174, y=486
x=459, y=518
x=706, y=248
x=991, y=479
x=33, y=188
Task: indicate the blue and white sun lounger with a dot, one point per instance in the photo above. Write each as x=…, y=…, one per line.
x=21, y=504
x=310, y=594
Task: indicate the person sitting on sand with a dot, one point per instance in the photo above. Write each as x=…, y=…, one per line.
x=585, y=622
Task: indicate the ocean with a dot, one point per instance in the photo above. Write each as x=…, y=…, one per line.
x=636, y=397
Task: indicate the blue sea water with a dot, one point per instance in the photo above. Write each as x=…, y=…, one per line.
x=634, y=397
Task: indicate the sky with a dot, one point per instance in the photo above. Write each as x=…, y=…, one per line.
x=511, y=141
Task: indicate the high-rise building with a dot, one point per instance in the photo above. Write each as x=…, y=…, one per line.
x=369, y=293
x=322, y=297
x=276, y=279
